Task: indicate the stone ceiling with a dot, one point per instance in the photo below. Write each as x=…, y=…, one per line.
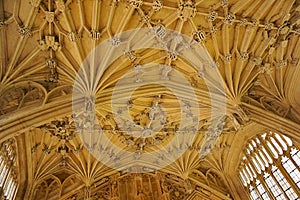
x=143, y=74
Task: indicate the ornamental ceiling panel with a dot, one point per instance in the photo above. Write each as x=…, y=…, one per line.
x=87, y=79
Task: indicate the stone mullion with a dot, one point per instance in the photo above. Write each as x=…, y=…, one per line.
x=255, y=188
x=294, y=186
x=10, y=189
x=4, y=176
x=288, y=154
x=7, y=187
x=280, y=167
x=275, y=180
x=8, y=179
x=254, y=174
x=242, y=177
x=285, y=141
x=257, y=157
x=268, y=138
x=250, y=161
x=263, y=157
x=13, y=190
x=4, y=180
x=265, y=185
x=260, y=176
x=244, y=171
x=268, y=169
x=288, y=177
x=279, y=143
x=2, y=164
x=16, y=187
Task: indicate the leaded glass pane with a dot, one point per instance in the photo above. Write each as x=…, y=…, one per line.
x=268, y=150
x=273, y=187
x=292, y=170
x=262, y=190
x=253, y=193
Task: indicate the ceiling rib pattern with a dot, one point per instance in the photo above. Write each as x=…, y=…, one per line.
x=254, y=46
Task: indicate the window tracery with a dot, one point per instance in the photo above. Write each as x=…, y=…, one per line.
x=270, y=167
x=8, y=170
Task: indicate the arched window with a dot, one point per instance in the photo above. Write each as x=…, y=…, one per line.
x=270, y=167
x=8, y=173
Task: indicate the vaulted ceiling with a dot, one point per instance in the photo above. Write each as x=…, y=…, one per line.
x=179, y=86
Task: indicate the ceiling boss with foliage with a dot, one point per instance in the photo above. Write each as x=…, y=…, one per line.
x=149, y=99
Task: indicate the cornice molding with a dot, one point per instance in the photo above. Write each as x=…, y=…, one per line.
x=273, y=121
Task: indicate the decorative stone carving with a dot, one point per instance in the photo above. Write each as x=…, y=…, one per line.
x=49, y=42
x=211, y=136
x=201, y=73
x=244, y=56
x=146, y=19
x=157, y=5
x=115, y=41
x=149, y=126
x=213, y=65
x=242, y=113
x=60, y=5
x=81, y=16
x=8, y=151
x=186, y=10
x=235, y=122
x=257, y=82
x=214, y=178
x=257, y=60
x=213, y=30
x=199, y=36
x=172, y=55
x=73, y=36
x=49, y=16
x=53, y=75
x=160, y=31
x=63, y=129
x=227, y=58
x=254, y=23
x=174, y=187
x=284, y=29
x=165, y=72
x=266, y=69
x=275, y=106
x=268, y=26
x=114, y=188
x=229, y=19
x=224, y=3
x=138, y=73
x=21, y=95
x=212, y=15
x=95, y=35
x=130, y=54
x=24, y=31
x=34, y=148
x=282, y=63
x=243, y=22
x=135, y=3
